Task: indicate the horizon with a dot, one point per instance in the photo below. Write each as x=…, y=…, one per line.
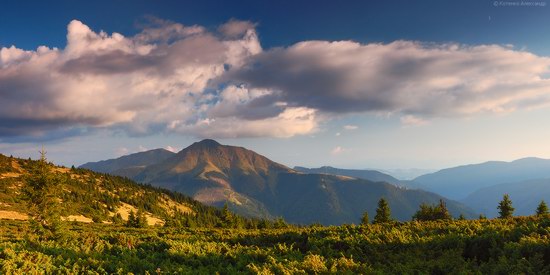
x=382, y=86
x=398, y=172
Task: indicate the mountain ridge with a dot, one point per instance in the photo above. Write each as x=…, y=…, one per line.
x=460, y=181
x=128, y=165
x=253, y=185
x=372, y=175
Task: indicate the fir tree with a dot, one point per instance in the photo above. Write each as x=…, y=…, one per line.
x=44, y=209
x=365, y=218
x=383, y=212
x=137, y=220
x=542, y=209
x=432, y=212
x=227, y=217
x=506, y=210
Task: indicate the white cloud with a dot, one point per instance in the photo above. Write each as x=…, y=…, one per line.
x=172, y=78
x=122, y=151
x=403, y=77
x=291, y=122
x=171, y=149
x=337, y=150
x=410, y=120
x=351, y=127
x=157, y=80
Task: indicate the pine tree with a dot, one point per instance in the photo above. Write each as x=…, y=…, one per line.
x=542, y=209
x=441, y=211
x=432, y=212
x=383, y=212
x=365, y=218
x=461, y=217
x=137, y=220
x=227, y=217
x=131, y=219
x=505, y=207
x=44, y=209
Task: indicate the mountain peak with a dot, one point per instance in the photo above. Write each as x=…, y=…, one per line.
x=209, y=143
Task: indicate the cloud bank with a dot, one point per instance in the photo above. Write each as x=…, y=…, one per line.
x=171, y=78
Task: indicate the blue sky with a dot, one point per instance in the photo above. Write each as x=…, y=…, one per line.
x=352, y=84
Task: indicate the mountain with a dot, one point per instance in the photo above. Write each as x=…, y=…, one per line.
x=130, y=165
x=458, y=182
x=371, y=175
x=525, y=196
x=87, y=196
x=253, y=185
x=405, y=174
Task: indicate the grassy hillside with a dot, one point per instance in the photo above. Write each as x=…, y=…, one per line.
x=513, y=246
x=92, y=197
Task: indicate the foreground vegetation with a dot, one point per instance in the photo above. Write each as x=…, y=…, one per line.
x=518, y=245
x=197, y=239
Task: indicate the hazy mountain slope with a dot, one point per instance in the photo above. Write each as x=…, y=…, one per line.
x=525, y=195
x=406, y=174
x=371, y=175
x=130, y=165
x=256, y=186
x=329, y=199
x=459, y=182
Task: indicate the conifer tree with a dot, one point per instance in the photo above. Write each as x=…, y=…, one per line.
x=44, y=209
x=227, y=217
x=432, y=212
x=365, y=218
x=506, y=210
x=542, y=209
x=383, y=212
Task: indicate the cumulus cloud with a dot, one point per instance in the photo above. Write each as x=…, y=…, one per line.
x=155, y=81
x=122, y=151
x=171, y=149
x=400, y=77
x=410, y=120
x=337, y=150
x=172, y=78
x=235, y=28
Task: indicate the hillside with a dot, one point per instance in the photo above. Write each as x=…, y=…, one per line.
x=130, y=165
x=458, y=182
x=512, y=246
x=255, y=186
x=525, y=196
x=87, y=196
x=371, y=175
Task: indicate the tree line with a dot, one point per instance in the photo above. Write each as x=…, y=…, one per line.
x=439, y=211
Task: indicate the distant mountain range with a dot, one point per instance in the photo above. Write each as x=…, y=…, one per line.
x=405, y=174
x=459, y=182
x=131, y=165
x=253, y=185
x=525, y=196
x=371, y=175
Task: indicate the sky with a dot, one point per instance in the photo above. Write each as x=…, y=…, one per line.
x=354, y=84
